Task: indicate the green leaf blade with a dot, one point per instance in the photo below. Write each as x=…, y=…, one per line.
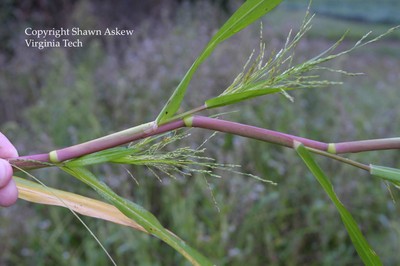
x=104, y=156
x=387, y=173
x=138, y=214
x=364, y=250
x=229, y=99
x=249, y=12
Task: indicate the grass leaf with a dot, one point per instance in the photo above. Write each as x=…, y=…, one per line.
x=33, y=192
x=138, y=214
x=249, y=12
x=228, y=99
x=390, y=174
x=364, y=250
x=100, y=157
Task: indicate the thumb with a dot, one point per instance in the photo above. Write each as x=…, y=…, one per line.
x=7, y=150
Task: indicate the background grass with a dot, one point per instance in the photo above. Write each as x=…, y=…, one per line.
x=58, y=97
x=361, y=10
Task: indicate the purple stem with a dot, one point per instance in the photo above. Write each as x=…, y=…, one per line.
x=120, y=138
x=254, y=132
x=367, y=145
x=110, y=141
x=287, y=139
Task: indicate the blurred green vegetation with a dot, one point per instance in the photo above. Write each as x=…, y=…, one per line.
x=384, y=11
x=58, y=97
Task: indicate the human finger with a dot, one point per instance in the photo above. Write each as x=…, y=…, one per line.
x=5, y=173
x=7, y=150
x=8, y=194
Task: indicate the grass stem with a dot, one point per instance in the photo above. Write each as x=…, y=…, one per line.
x=148, y=129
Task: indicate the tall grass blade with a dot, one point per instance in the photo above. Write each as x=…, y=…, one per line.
x=101, y=157
x=138, y=214
x=364, y=250
x=33, y=192
x=249, y=12
x=390, y=174
x=28, y=195
x=228, y=99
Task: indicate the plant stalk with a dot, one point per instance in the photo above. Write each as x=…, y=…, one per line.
x=103, y=143
x=149, y=129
